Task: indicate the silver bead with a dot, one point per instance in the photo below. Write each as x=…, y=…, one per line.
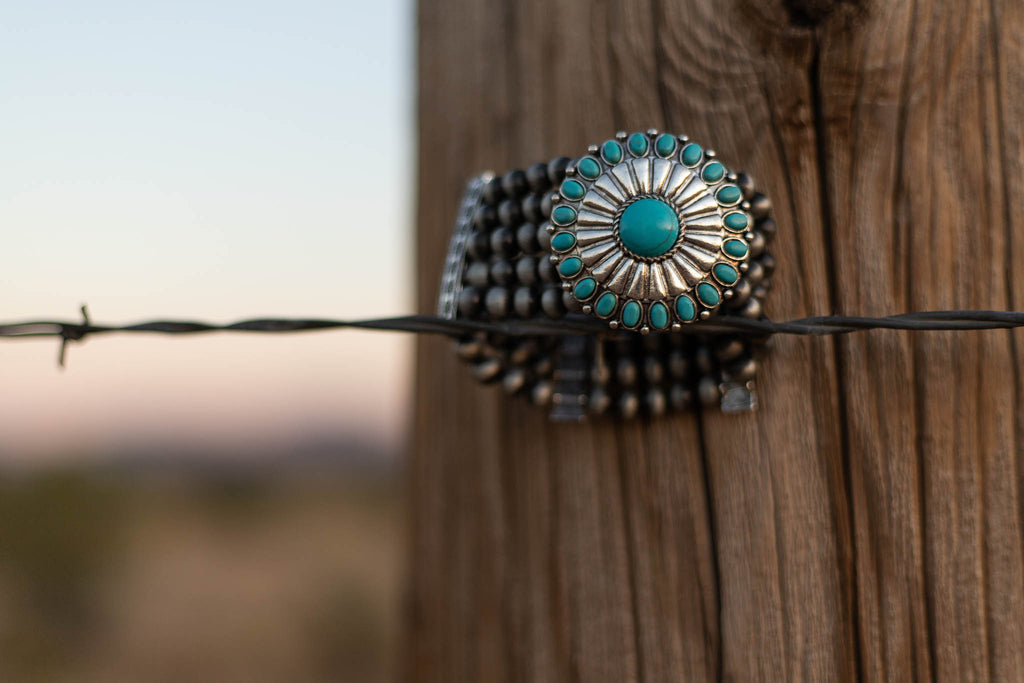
x=702, y=359
x=571, y=303
x=677, y=364
x=469, y=349
x=625, y=370
x=541, y=394
x=497, y=302
x=523, y=352
x=599, y=402
x=757, y=245
x=760, y=206
x=728, y=350
x=526, y=270
x=488, y=370
x=600, y=373
x=753, y=309
x=708, y=391
x=656, y=402
x=741, y=291
x=744, y=370
x=551, y=302
x=629, y=405
x=746, y=185
x=524, y=301
x=755, y=273
x=513, y=381
x=681, y=397
x=654, y=370
x=478, y=275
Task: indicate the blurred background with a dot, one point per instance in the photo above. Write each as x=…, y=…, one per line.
x=220, y=507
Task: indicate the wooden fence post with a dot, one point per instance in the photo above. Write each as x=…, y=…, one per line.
x=867, y=520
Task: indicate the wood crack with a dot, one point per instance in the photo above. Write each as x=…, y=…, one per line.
x=825, y=201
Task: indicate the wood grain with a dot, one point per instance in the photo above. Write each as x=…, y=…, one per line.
x=866, y=522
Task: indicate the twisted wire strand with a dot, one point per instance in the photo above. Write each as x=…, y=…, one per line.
x=572, y=325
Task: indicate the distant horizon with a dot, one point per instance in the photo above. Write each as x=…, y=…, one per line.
x=212, y=162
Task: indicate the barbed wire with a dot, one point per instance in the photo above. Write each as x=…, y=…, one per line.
x=572, y=325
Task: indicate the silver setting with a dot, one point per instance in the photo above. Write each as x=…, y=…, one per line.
x=694, y=191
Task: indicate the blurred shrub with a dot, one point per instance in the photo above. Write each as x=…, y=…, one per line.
x=58, y=532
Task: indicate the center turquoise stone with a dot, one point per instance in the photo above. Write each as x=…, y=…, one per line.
x=649, y=227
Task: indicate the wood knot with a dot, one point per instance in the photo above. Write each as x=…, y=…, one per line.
x=811, y=13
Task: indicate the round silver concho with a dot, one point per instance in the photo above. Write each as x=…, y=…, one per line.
x=650, y=231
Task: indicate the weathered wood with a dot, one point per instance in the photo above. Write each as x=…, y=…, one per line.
x=867, y=520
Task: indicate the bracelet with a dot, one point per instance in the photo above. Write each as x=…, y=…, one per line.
x=648, y=232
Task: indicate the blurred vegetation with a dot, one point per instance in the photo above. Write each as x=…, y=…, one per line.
x=111, y=577
x=58, y=532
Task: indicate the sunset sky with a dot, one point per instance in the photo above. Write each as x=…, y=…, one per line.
x=213, y=161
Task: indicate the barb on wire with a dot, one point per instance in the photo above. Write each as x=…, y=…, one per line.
x=572, y=325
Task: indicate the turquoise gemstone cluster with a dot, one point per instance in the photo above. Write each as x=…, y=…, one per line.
x=649, y=231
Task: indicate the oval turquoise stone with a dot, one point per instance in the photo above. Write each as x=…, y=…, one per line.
x=725, y=273
x=665, y=145
x=729, y=194
x=612, y=152
x=734, y=248
x=736, y=221
x=637, y=144
x=572, y=190
x=692, y=154
x=713, y=172
x=686, y=309
x=649, y=227
x=631, y=314
x=570, y=266
x=563, y=241
x=708, y=294
x=605, y=305
x=659, y=316
x=584, y=289
x=588, y=168
x=563, y=215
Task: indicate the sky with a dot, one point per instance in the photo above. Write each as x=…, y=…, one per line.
x=211, y=161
